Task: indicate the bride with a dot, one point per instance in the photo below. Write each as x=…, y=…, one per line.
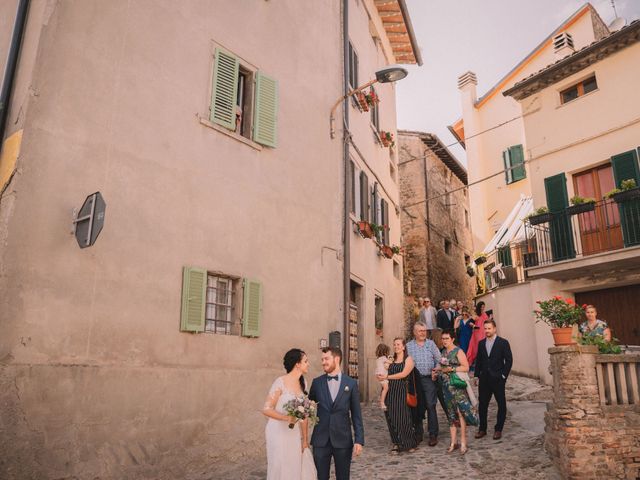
x=288, y=454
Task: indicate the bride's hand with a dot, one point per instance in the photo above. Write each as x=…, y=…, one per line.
x=292, y=420
x=304, y=445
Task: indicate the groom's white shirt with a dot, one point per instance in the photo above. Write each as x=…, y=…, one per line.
x=334, y=386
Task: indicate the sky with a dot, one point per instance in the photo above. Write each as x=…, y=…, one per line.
x=488, y=37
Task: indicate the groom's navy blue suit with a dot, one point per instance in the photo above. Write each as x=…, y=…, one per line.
x=332, y=435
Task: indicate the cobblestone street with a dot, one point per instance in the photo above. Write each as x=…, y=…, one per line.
x=518, y=455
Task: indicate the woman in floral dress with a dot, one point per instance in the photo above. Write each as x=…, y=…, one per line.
x=594, y=327
x=460, y=411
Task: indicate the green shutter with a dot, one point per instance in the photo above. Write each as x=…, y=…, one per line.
x=252, y=308
x=194, y=288
x=560, y=230
x=364, y=196
x=625, y=166
x=516, y=153
x=225, y=89
x=504, y=256
x=266, y=110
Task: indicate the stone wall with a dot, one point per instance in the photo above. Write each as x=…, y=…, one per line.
x=436, y=238
x=585, y=439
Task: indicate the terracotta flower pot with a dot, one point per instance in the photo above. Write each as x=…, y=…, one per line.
x=362, y=102
x=387, y=251
x=562, y=336
x=365, y=229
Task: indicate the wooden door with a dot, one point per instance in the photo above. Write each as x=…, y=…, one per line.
x=617, y=307
x=599, y=230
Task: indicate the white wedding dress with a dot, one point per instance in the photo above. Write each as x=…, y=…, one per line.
x=285, y=460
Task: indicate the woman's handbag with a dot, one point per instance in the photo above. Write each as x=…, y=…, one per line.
x=456, y=382
x=412, y=398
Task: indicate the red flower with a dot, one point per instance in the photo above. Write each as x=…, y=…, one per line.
x=570, y=301
x=538, y=302
x=557, y=297
x=584, y=306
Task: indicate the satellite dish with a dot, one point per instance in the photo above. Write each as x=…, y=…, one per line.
x=617, y=24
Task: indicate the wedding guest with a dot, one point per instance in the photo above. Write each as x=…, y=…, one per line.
x=453, y=305
x=437, y=339
x=593, y=327
x=478, y=332
x=459, y=306
x=464, y=329
x=492, y=368
x=399, y=416
x=426, y=356
x=444, y=318
x=382, y=365
x=428, y=316
x=460, y=410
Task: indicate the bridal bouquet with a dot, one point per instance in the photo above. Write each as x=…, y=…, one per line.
x=302, y=408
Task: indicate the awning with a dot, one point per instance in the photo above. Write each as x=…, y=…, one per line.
x=512, y=229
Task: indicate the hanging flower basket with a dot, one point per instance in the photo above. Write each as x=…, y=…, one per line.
x=365, y=229
x=362, y=101
x=581, y=208
x=626, y=195
x=386, y=138
x=541, y=218
x=372, y=98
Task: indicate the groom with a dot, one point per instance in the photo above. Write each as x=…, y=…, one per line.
x=337, y=397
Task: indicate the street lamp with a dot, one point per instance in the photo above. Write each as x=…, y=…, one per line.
x=386, y=75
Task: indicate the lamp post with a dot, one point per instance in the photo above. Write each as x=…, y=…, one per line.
x=386, y=75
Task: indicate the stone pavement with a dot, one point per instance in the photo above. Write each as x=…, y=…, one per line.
x=518, y=455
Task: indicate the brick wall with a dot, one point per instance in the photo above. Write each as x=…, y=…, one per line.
x=587, y=440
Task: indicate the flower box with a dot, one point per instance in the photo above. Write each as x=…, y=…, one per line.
x=581, y=208
x=387, y=251
x=626, y=195
x=362, y=101
x=365, y=229
x=541, y=218
x=480, y=260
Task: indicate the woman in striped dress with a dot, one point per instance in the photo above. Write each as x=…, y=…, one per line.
x=398, y=414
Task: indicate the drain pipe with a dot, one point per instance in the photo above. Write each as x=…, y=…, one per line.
x=12, y=63
x=346, y=220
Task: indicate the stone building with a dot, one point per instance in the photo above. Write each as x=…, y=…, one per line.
x=436, y=227
x=150, y=353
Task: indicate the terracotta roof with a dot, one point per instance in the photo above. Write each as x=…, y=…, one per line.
x=397, y=24
x=432, y=141
x=576, y=61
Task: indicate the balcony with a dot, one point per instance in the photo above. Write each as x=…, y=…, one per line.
x=605, y=238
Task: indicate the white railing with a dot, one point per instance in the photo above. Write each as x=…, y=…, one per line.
x=618, y=379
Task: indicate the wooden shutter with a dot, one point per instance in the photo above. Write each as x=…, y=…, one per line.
x=194, y=288
x=266, y=111
x=384, y=208
x=252, y=308
x=364, y=196
x=507, y=163
x=225, y=89
x=560, y=230
x=516, y=154
x=504, y=256
x=625, y=166
x=352, y=185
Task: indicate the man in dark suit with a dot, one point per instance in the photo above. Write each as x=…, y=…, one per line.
x=493, y=365
x=338, y=409
x=444, y=317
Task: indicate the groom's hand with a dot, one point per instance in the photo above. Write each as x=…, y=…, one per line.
x=357, y=449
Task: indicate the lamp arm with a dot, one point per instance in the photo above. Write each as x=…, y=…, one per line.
x=332, y=118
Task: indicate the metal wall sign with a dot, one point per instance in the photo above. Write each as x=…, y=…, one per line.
x=89, y=220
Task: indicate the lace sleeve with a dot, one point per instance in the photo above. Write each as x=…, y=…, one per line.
x=274, y=393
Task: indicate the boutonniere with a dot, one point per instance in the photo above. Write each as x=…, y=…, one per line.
x=346, y=389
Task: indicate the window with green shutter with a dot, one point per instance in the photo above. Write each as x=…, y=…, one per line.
x=504, y=256
x=194, y=284
x=226, y=68
x=252, y=308
x=625, y=167
x=513, y=160
x=364, y=196
x=560, y=230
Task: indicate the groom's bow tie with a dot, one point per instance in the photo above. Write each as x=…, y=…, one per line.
x=332, y=378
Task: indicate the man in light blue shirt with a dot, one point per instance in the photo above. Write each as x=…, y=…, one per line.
x=426, y=356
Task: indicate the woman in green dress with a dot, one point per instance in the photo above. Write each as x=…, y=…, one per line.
x=460, y=410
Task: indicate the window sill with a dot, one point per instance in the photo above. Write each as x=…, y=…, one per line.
x=229, y=133
x=516, y=181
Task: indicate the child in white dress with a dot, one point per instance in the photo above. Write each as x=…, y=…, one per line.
x=382, y=365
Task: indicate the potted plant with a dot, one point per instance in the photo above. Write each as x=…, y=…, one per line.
x=372, y=98
x=480, y=258
x=604, y=346
x=387, y=251
x=581, y=205
x=362, y=101
x=364, y=228
x=378, y=229
x=561, y=314
x=540, y=215
x=387, y=139
x=628, y=190
x=470, y=271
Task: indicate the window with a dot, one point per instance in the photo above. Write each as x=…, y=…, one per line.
x=466, y=218
x=375, y=115
x=243, y=99
x=447, y=246
x=210, y=304
x=504, y=256
x=353, y=67
x=352, y=180
x=364, y=197
x=579, y=89
x=384, y=219
x=467, y=259
x=513, y=159
x=379, y=313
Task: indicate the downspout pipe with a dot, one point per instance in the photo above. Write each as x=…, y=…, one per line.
x=11, y=66
x=346, y=220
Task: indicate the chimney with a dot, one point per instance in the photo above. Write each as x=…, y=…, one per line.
x=563, y=45
x=467, y=82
